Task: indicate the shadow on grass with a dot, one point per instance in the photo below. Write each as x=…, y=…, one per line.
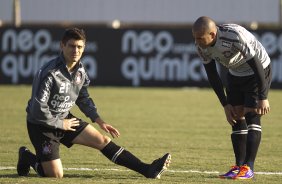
x=96, y=176
x=17, y=176
x=212, y=176
x=102, y=176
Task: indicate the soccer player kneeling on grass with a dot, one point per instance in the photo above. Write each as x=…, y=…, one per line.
x=248, y=82
x=57, y=86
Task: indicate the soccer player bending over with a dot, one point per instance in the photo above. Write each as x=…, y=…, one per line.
x=248, y=83
x=57, y=86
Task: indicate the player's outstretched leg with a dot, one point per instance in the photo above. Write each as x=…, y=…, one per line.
x=124, y=158
x=23, y=166
x=158, y=166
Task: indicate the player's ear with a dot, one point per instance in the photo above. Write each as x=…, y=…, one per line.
x=213, y=34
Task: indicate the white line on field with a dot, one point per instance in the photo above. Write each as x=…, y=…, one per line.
x=172, y=171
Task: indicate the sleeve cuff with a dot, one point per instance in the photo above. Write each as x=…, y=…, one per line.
x=262, y=97
x=94, y=116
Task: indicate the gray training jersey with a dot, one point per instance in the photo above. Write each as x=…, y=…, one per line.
x=233, y=48
x=55, y=91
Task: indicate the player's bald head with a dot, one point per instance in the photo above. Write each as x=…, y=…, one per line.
x=204, y=31
x=203, y=25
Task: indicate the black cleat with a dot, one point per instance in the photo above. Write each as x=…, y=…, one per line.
x=158, y=166
x=23, y=168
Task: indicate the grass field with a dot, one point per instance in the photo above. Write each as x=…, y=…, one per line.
x=188, y=123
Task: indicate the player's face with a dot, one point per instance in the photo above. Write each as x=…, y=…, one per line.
x=73, y=50
x=204, y=40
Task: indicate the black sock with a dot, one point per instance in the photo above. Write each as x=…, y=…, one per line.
x=124, y=158
x=253, y=139
x=30, y=158
x=239, y=139
x=33, y=162
x=39, y=169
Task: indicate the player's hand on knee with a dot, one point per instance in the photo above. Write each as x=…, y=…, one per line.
x=263, y=107
x=230, y=114
x=69, y=124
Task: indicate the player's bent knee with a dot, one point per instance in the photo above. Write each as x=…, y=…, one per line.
x=248, y=109
x=239, y=115
x=103, y=142
x=57, y=175
x=252, y=118
x=107, y=139
x=239, y=110
x=54, y=174
x=239, y=127
x=53, y=168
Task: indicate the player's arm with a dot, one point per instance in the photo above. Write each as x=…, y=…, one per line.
x=215, y=82
x=260, y=77
x=213, y=76
x=88, y=107
x=263, y=105
x=85, y=102
x=218, y=88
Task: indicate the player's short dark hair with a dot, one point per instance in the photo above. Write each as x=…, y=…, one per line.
x=73, y=33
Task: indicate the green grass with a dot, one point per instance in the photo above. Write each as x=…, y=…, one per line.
x=188, y=123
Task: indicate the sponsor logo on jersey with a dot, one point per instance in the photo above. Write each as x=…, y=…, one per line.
x=44, y=96
x=61, y=103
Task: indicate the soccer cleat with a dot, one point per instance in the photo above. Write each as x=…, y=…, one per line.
x=231, y=173
x=158, y=166
x=23, y=168
x=244, y=173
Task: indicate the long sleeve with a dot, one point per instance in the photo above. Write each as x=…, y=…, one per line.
x=215, y=82
x=86, y=104
x=260, y=76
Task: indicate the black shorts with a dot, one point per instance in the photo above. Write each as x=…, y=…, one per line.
x=46, y=141
x=244, y=90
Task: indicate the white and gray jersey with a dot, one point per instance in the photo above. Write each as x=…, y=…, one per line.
x=55, y=91
x=233, y=48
